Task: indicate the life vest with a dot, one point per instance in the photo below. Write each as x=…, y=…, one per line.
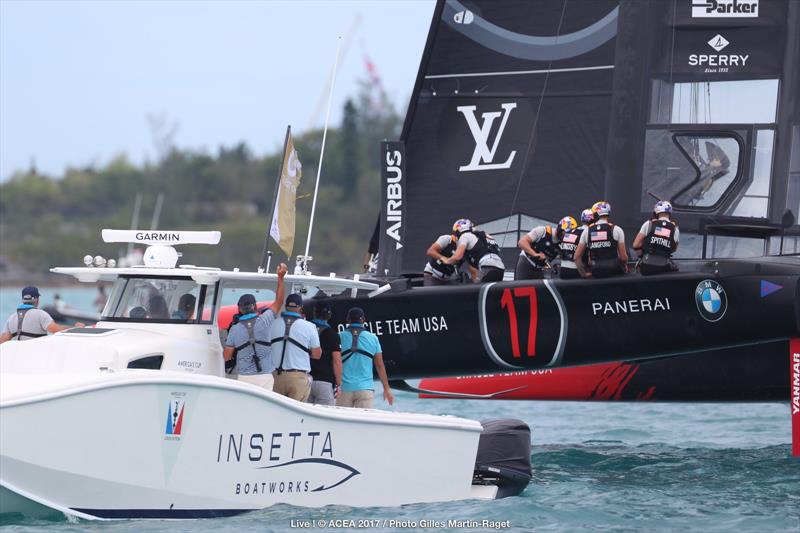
x=21, y=311
x=437, y=265
x=486, y=245
x=569, y=243
x=602, y=245
x=545, y=246
x=250, y=323
x=660, y=240
x=288, y=321
x=354, y=349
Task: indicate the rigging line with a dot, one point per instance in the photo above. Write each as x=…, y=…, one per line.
x=535, y=124
x=672, y=51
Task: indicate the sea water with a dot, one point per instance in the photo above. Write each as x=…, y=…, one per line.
x=597, y=466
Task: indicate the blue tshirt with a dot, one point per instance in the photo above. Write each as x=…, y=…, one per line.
x=357, y=369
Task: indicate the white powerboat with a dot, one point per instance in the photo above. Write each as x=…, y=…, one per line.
x=134, y=418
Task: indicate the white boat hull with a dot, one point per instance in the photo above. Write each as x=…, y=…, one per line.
x=140, y=444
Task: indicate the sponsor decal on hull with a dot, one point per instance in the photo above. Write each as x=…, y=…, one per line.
x=298, y=462
x=711, y=300
x=175, y=412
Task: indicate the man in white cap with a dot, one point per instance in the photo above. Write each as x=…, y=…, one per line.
x=30, y=322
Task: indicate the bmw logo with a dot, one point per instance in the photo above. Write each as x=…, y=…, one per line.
x=711, y=300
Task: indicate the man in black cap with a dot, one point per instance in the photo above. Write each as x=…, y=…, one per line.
x=248, y=339
x=360, y=350
x=295, y=342
x=326, y=372
x=28, y=321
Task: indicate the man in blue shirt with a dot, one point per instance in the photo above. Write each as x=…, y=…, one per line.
x=248, y=339
x=360, y=350
x=295, y=341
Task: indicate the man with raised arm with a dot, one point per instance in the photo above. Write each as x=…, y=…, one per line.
x=248, y=339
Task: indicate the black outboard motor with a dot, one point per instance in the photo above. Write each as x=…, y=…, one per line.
x=504, y=456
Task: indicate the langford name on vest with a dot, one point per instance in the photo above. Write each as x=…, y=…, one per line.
x=643, y=305
x=163, y=236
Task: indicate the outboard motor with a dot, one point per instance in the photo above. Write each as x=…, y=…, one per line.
x=504, y=456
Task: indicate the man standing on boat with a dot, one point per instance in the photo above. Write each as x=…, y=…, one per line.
x=28, y=321
x=605, y=243
x=657, y=240
x=569, y=235
x=248, y=339
x=481, y=250
x=295, y=342
x=360, y=350
x=326, y=372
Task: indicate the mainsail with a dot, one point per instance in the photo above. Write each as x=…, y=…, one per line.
x=524, y=112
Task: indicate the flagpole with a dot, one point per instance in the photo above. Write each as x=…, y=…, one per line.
x=322, y=153
x=266, y=255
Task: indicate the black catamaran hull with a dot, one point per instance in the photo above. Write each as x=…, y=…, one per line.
x=725, y=323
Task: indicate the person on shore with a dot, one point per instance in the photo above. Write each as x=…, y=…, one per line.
x=29, y=322
x=605, y=243
x=295, y=342
x=361, y=349
x=326, y=372
x=657, y=240
x=481, y=250
x=248, y=339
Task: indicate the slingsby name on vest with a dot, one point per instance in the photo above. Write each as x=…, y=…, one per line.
x=644, y=305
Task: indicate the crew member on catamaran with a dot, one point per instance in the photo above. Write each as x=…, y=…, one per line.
x=248, y=339
x=657, y=240
x=437, y=272
x=570, y=235
x=605, y=243
x=29, y=322
x=482, y=251
x=539, y=246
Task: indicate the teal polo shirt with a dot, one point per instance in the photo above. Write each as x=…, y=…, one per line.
x=357, y=370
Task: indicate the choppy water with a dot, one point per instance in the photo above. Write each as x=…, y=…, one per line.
x=610, y=467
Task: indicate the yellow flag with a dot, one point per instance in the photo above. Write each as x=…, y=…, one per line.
x=282, y=228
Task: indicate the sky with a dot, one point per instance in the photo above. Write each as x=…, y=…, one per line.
x=78, y=80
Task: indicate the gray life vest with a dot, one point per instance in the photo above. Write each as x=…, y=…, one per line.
x=288, y=322
x=20, y=318
x=249, y=324
x=347, y=354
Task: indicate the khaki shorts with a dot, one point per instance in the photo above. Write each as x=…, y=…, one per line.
x=261, y=380
x=359, y=398
x=295, y=385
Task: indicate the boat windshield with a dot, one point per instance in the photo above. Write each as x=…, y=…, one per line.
x=171, y=300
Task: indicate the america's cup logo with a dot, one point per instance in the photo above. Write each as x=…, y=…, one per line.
x=483, y=155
